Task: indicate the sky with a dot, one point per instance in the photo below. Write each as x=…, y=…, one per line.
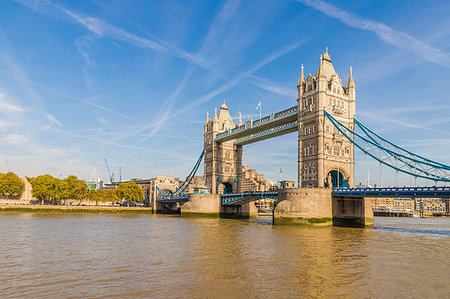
x=131, y=81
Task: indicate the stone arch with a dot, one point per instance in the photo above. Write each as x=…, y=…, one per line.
x=225, y=188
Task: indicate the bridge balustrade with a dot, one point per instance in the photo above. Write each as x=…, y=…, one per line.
x=260, y=122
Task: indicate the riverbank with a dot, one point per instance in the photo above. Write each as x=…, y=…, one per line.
x=75, y=209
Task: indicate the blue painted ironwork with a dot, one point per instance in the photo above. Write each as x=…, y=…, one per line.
x=175, y=199
x=180, y=191
x=267, y=133
x=277, y=118
x=244, y=197
x=393, y=156
x=429, y=192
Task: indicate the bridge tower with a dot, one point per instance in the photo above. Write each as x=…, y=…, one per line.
x=325, y=157
x=223, y=161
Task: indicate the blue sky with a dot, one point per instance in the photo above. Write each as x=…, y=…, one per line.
x=131, y=81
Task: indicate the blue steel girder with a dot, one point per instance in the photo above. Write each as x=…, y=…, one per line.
x=267, y=133
x=272, y=120
x=413, y=192
x=391, y=155
x=246, y=197
x=172, y=199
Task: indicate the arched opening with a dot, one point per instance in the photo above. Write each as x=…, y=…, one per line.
x=337, y=179
x=225, y=188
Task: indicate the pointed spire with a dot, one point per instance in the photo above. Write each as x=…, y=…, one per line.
x=224, y=106
x=302, y=77
x=215, y=114
x=207, y=116
x=326, y=56
x=240, y=120
x=320, y=72
x=351, y=83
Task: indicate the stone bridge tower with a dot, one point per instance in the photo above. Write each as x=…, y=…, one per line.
x=223, y=161
x=325, y=157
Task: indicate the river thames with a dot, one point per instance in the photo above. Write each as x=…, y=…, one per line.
x=100, y=255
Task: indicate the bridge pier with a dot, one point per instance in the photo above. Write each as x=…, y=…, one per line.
x=317, y=207
x=209, y=205
x=246, y=210
x=303, y=206
x=206, y=205
x=352, y=211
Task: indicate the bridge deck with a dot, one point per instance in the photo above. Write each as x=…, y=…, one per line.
x=431, y=192
x=172, y=199
x=246, y=197
x=272, y=125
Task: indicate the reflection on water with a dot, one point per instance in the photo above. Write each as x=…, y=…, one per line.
x=51, y=255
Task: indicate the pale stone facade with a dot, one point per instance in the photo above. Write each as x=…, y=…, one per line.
x=223, y=161
x=253, y=181
x=322, y=150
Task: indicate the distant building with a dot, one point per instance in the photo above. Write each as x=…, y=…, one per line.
x=429, y=207
x=433, y=207
x=287, y=184
x=95, y=185
x=253, y=181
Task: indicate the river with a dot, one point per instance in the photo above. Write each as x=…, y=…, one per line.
x=45, y=255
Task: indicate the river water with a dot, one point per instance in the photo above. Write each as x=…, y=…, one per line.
x=101, y=255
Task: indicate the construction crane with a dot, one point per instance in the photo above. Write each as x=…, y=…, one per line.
x=111, y=176
x=7, y=166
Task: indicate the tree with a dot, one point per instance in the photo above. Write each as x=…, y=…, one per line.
x=44, y=187
x=102, y=196
x=129, y=191
x=47, y=188
x=11, y=184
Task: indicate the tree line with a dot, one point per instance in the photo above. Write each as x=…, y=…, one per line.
x=11, y=184
x=51, y=190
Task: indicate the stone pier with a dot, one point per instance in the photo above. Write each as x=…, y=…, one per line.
x=317, y=207
x=248, y=210
x=352, y=211
x=303, y=206
x=207, y=205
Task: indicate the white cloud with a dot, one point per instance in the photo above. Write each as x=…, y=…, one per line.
x=15, y=139
x=8, y=106
x=53, y=121
x=385, y=33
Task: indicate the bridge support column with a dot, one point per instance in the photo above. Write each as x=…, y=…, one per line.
x=303, y=206
x=317, y=207
x=352, y=211
x=247, y=210
x=205, y=205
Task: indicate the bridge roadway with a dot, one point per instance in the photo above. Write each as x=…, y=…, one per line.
x=275, y=124
x=408, y=192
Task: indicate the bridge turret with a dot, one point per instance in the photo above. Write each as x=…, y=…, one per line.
x=223, y=160
x=301, y=85
x=351, y=85
x=324, y=157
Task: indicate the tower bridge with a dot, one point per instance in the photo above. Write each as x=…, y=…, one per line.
x=324, y=119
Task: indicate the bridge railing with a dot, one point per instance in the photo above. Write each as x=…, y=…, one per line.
x=434, y=191
x=231, y=198
x=257, y=123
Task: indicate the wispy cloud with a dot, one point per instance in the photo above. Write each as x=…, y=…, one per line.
x=273, y=87
x=275, y=55
x=53, y=121
x=385, y=33
x=6, y=106
x=101, y=28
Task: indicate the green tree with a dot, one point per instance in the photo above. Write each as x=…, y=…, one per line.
x=44, y=187
x=102, y=196
x=74, y=189
x=11, y=184
x=129, y=191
